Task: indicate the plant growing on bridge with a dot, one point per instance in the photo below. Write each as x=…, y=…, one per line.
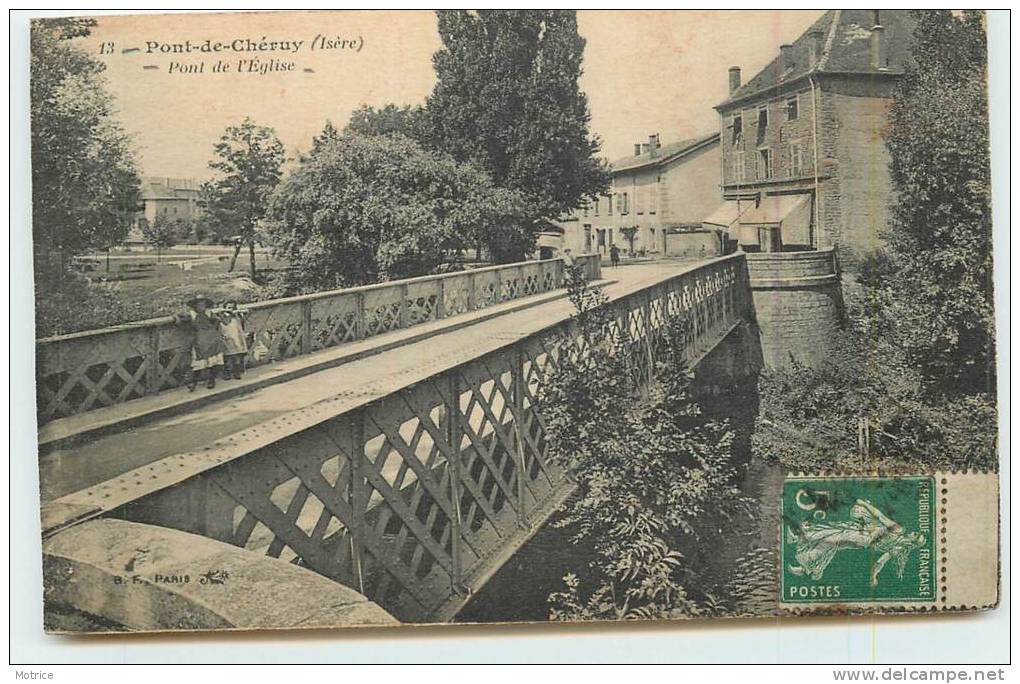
x=648, y=465
x=249, y=163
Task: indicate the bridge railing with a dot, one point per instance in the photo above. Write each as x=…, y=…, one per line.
x=95, y=368
x=415, y=497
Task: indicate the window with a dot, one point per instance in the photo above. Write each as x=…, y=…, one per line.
x=792, y=110
x=596, y=206
x=639, y=199
x=763, y=122
x=621, y=202
x=764, y=165
x=796, y=159
x=738, y=127
x=653, y=196
x=738, y=166
x=609, y=202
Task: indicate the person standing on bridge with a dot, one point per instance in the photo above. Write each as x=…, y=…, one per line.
x=235, y=342
x=206, y=341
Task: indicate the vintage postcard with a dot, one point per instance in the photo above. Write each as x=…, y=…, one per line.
x=365, y=318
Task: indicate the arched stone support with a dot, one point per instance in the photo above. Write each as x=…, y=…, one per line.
x=150, y=578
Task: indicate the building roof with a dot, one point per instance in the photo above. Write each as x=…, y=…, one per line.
x=663, y=154
x=846, y=39
x=156, y=188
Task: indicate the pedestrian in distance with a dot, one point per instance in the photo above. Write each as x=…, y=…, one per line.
x=235, y=342
x=572, y=273
x=614, y=255
x=206, y=341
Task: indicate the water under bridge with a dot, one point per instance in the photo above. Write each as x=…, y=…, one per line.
x=381, y=459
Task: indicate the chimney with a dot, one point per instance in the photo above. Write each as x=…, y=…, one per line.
x=653, y=144
x=734, y=78
x=815, y=45
x=878, y=58
x=637, y=149
x=785, y=57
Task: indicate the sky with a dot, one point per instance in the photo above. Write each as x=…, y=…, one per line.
x=645, y=72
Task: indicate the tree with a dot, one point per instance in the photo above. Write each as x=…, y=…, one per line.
x=328, y=135
x=85, y=187
x=365, y=208
x=648, y=465
x=507, y=99
x=939, y=296
x=165, y=232
x=249, y=160
x=367, y=120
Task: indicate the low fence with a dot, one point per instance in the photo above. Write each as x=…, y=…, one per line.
x=415, y=498
x=95, y=368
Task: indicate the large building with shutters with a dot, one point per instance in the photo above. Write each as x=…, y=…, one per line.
x=804, y=162
x=655, y=203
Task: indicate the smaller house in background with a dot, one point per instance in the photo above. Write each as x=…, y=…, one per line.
x=176, y=198
x=655, y=205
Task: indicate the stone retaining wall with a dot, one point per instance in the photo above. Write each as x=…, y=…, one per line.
x=798, y=305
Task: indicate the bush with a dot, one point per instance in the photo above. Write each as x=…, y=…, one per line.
x=76, y=304
x=646, y=461
x=810, y=416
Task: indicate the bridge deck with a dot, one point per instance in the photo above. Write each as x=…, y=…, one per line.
x=211, y=433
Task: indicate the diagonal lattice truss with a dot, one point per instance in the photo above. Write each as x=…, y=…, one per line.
x=89, y=370
x=417, y=498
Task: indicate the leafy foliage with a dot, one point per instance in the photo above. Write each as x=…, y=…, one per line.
x=646, y=461
x=165, y=232
x=85, y=186
x=328, y=136
x=629, y=234
x=507, y=99
x=809, y=416
x=249, y=161
x=367, y=120
x=938, y=298
x=365, y=208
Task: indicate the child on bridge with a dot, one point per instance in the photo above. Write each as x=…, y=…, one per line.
x=206, y=341
x=235, y=342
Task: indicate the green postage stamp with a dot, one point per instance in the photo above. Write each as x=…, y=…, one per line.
x=859, y=540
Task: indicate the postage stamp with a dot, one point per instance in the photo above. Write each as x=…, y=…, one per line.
x=859, y=539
